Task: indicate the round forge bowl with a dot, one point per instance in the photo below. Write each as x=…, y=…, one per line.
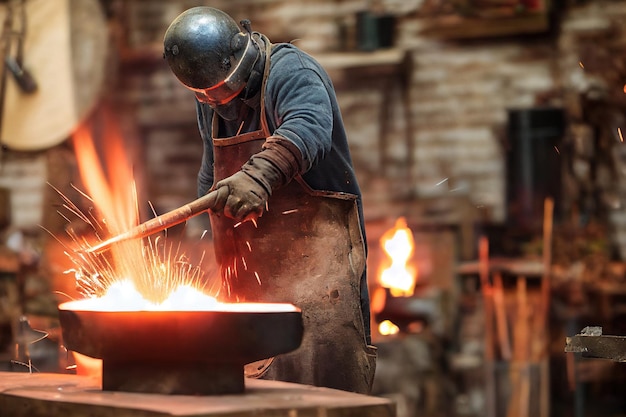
x=180, y=352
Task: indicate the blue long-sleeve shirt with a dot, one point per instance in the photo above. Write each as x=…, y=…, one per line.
x=301, y=106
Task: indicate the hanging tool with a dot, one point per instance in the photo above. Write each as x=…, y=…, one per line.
x=12, y=39
x=164, y=221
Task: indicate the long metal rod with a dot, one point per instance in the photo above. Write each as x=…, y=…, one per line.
x=164, y=221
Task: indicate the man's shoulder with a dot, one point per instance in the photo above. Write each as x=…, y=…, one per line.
x=289, y=55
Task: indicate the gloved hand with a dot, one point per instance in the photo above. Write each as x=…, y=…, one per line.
x=247, y=196
x=251, y=187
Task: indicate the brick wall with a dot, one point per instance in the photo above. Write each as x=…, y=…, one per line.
x=459, y=93
x=24, y=176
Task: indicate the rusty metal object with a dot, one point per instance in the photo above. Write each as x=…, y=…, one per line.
x=179, y=352
x=164, y=221
x=593, y=344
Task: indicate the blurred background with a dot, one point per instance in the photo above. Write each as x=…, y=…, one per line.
x=490, y=130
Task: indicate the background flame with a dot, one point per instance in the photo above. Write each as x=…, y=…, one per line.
x=398, y=275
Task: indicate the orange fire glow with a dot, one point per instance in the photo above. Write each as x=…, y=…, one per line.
x=114, y=193
x=397, y=274
x=146, y=272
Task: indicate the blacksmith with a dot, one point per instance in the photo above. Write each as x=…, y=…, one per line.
x=290, y=229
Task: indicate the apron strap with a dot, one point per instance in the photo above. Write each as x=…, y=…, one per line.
x=266, y=72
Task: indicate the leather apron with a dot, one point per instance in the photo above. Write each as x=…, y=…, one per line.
x=307, y=249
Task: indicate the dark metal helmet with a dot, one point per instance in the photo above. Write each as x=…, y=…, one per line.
x=207, y=51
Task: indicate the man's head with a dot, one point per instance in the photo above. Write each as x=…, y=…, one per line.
x=207, y=51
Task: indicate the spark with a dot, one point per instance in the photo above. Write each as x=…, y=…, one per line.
x=64, y=294
x=28, y=365
x=441, y=182
x=243, y=221
x=557, y=150
x=63, y=216
x=256, y=275
x=240, y=127
x=248, y=245
x=70, y=206
x=163, y=268
x=580, y=64
x=619, y=132
x=155, y=266
x=245, y=265
x=226, y=279
x=290, y=211
x=203, y=234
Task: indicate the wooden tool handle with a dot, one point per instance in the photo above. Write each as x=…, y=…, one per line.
x=167, y=220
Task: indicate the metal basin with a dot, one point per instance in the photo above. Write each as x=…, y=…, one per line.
x=179, y=352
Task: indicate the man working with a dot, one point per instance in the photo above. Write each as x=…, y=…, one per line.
x=290, y=227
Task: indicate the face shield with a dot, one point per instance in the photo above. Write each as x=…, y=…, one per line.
x=209, y=54
x=226, y=90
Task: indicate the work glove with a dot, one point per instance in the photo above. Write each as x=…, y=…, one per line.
x=250, y=188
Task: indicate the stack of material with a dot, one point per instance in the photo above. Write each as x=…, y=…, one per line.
x=521, y=312
x=515, y=296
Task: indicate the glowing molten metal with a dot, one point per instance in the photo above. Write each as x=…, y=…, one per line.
x=122, y=296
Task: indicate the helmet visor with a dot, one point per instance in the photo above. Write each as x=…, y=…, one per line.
x=217, y=95
x=224, y=91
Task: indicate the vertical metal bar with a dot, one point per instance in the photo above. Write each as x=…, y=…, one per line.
x=6, y=49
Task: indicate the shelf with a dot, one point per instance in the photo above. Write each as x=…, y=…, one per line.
x=515, y=266
x=343, y=60
x=458, y=27
x=152, y=55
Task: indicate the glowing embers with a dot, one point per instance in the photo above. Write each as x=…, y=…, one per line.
x=122, y=296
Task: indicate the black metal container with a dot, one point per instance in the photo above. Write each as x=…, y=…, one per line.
x=533, y=164
x=178, y=352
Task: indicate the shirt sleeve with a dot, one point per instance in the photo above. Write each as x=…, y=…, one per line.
x=206, y=174
x=299, y=104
